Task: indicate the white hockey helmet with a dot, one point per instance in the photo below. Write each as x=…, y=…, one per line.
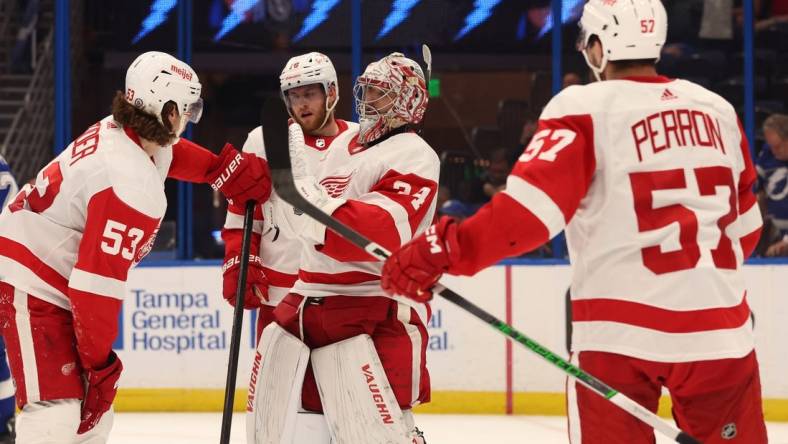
x=155, y=78
x=310, y=69
x=627, y=29
x=400, y=78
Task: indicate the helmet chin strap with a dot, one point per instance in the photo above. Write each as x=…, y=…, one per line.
x=329, y=110
x=182, y=122
x=597, y=70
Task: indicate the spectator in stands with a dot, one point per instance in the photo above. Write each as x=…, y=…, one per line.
x=684, y=17
x=464, y=204
x=529, y=129
x=768, y=13
x=716, y=22
x=457, y=209
x=21, y=61
x=772, y=167
x=444, y=194
x=8, y=191
x=571, y=78
x=496, y=173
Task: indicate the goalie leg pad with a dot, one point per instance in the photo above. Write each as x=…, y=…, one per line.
x=275, y=387
x=358, y=402
x=311, y=428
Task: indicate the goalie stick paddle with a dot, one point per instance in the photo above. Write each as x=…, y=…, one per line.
x=276, y=141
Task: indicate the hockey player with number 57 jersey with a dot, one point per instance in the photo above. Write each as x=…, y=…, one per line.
x=68, y=240
x=652, y=179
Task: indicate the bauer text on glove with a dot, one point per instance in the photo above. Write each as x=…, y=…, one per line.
x=240, y=177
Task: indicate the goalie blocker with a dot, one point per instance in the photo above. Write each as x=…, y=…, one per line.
x=357, y=398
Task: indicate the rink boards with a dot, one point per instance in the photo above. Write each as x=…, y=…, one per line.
x=175, y=336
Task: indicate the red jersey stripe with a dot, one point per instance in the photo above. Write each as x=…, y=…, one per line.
x=279, y=279
x=660, y=319
x=347, y=278
x=21, y=254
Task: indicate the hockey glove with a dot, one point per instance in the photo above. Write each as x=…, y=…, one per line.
x=102, y=386
x=416, y=267
x=256, y=290
x=241, y=177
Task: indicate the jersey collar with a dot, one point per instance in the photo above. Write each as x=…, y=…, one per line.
x=321, y=143
x=132, y=135
x=648, y=79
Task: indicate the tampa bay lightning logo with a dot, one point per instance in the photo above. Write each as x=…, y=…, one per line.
x=7, y=188
x=777, y=184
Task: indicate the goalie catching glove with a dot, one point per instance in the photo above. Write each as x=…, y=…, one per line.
x=240, y=177
x=416, y=267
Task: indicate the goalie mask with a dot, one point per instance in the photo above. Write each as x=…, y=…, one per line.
x=155, y=78
x=391, y=93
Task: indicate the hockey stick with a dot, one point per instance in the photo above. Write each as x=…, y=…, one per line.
x=426, y=54
x=277, y=136
x=235, y=336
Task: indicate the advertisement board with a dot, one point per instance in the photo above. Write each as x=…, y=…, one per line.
x=175, y=334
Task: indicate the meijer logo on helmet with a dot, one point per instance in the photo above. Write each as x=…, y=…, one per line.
x=181, y=72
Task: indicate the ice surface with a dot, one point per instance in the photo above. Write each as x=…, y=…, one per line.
x=199, y=428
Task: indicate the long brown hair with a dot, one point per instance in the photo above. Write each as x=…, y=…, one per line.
x=144, y=124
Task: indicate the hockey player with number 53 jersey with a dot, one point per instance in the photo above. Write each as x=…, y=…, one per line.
x=652, y=179
x=69, y=238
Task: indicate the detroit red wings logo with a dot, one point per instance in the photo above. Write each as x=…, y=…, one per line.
x=336, y=185
x=146, y=247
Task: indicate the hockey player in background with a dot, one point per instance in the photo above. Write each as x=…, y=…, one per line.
x=8, y=190
x=367, y=350
x=69, y=238
x=652, y=179
x=309, y=87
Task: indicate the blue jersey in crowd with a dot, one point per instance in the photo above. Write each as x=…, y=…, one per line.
x=8, y=186
x=773, y=179
x=8, y=190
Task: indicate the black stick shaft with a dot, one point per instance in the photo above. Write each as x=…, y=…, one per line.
x=235, y=338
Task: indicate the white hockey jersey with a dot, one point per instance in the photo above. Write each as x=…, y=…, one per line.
x=102, y=189
x=70, y=237
x=390, y=190
x=279, y=244
x=652, y=179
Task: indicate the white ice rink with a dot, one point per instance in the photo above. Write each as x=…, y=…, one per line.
x=203, y=428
